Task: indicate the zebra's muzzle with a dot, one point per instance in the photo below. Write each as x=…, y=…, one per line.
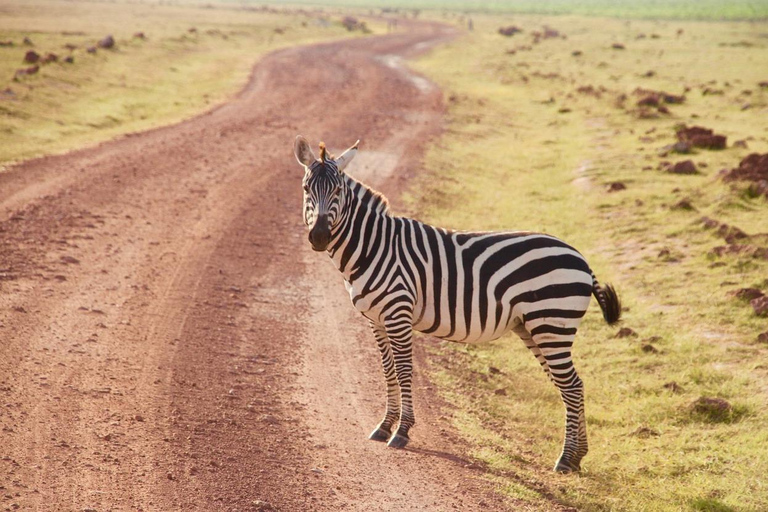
x=320, y=234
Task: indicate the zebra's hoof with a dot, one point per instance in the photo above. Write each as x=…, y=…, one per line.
x=380, y=435
x=398, y=441
x=565, y=467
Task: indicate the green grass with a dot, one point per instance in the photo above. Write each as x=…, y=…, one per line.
x=512, y=157
x=140, y=84
x=656, y=9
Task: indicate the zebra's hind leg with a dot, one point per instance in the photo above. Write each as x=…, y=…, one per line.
x=384, y=430
x=555, y=342
x=400, y=332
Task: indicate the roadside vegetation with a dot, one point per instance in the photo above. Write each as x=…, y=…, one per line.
x=569, y=127
x=662, y=9
x=167, y=63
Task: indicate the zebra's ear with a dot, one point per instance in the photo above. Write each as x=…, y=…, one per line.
x=303, y=151
x=343, y=160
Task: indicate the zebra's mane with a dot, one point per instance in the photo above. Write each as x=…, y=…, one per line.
x=368, y=196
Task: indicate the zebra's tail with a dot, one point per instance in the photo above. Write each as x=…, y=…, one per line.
x=608, y=299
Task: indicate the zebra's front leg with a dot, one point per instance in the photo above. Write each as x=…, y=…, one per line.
x=400, y=336
x=384, y=430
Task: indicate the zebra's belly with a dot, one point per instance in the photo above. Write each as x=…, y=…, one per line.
x=455, y=328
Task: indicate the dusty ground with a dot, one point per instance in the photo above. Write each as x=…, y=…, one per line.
x=170, y=341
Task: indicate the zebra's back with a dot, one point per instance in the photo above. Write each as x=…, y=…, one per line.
x=474, y=287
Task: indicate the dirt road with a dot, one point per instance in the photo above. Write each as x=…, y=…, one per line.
x=168, y=340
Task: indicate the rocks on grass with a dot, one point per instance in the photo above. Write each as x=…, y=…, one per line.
x=509, y=31
x=746, y=294
x=700, y=137
x=31, y=57
x=616, y=186
x=107, y=42
x=625, y=332
x=760, y=305
x=753, y=169
x=712, y=410
x=644, y=433
x=684, y=167
x=618, y=46
x=763, y=337
x=684, y=204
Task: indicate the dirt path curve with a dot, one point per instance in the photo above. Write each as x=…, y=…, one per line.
x=168, y=341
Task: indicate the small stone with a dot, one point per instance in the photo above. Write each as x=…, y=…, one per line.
x=107, y=42
x=650, y=349
x=760, y=305
x=31, y=57
x=763, y=337
x=616, y=186
x=674, y=387
x=644, y=433
x=684, y=167
x=747, y=294
x=625, y=332
x=500, y=392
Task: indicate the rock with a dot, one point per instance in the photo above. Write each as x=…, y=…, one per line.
x=91, y=49
x=262, y=506
x=649, y=349
x=493, y=370
x=577, y=53
x=747, y=294
x=27, y=41
x=107, y=42
x=644, y=433
x=700, y=137
x=713, y=409
x=616, y=186
x=69, y=59
x=760, y=305
x=740, y=144
x=509, y=31
x=763, y=84
x=51, y=57
x=684, y=167
x=625, y=332
x=618, y=46
x=683, y=204
x=674, y=387
x=6, y=43
x=139, y=35
x=26, y=71
x=31, y=57
x=652, y=100
x=753, y=168
x=500, y=392
x=763, y=337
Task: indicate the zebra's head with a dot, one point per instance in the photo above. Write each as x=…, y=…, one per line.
x=324, y=189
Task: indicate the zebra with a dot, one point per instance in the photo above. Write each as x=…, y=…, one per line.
x=404, y=275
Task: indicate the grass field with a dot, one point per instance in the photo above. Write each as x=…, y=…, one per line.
x=535, y=135
x=191, y=58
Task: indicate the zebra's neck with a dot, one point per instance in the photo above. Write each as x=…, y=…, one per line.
x=364, y=217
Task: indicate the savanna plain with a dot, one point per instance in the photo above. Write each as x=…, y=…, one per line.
x=632, y=130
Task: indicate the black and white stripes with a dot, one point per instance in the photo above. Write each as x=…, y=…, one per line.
x=404, y=276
